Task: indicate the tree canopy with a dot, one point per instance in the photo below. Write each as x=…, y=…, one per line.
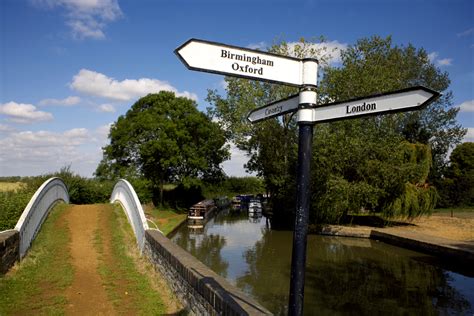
x=378, y=164
x=164, y=138
x=457, y=186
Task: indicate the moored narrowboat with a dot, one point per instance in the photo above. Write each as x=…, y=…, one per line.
x=201, y=211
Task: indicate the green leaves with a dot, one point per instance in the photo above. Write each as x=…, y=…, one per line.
x=457, y=187
x=164, y=138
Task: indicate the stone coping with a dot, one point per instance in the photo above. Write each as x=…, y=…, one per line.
x=221, y=297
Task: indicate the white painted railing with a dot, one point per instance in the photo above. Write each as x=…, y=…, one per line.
x=125, y=194
x=33, y=216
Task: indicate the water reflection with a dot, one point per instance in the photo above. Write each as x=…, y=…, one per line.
x=343, y=276
x=206, y=247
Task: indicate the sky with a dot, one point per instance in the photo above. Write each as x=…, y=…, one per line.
x=70, y=68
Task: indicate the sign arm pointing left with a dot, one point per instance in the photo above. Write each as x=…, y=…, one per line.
x=241, y=62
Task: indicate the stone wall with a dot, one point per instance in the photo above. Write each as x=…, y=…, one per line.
x=9, y=249
x=202, y=291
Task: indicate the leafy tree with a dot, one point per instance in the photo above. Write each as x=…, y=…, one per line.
x=375, y=65
x=458, y=185
x=372, y=164
x=164, y=138
x=269, y=144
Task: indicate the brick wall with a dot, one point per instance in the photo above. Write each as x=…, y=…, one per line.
x=9, y=249
x=201, y=290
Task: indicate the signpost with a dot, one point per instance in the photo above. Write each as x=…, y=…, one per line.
x=240, y=62
x=252, y=64
x=273, y=109
x=395, y=101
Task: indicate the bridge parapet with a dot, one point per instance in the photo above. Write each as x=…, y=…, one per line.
x=49, y=193
x=125, y=194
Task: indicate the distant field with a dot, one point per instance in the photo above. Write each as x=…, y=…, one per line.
x=10, y=186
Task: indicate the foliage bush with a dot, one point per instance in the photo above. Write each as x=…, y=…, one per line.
x=232, y=186
x=12, y=204
x=456, y=189
x=81, y=191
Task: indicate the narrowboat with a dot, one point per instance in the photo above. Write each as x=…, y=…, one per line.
x=222, y=202
x=255, y=206
x=201, y=211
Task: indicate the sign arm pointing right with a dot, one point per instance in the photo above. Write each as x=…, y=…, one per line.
x=395, y=101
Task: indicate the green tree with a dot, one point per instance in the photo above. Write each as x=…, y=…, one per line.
x=374, y=164
x=457, y=187
x=376, y=65
x=164, y=138
x=268, y=144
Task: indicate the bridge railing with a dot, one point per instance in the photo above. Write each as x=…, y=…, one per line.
x=125, y=194
x=49, y=193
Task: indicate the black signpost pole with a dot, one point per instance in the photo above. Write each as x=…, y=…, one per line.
x=195, y=54
x=298, y=260
x=306, y=106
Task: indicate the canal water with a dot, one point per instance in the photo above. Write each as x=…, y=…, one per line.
x=344, y=276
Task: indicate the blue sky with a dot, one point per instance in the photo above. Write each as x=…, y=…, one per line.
x=69, y=68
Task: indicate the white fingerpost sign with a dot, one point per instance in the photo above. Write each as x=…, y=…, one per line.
x=273, y=109
x=241, y=62
x=396, y=101
x=252, y=64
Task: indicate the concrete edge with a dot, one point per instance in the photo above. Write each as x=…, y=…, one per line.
x=436, y=246
x=459, y=252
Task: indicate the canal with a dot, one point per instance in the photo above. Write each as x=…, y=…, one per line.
x=344, y=276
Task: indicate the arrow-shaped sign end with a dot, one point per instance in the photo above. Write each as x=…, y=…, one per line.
x=178, y=52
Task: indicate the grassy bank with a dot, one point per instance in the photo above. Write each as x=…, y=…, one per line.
x=166, y=220
x=37, y=284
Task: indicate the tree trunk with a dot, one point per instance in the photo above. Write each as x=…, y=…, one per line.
x=161, y=192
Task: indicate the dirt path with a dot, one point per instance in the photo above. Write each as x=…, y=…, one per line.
x=458, y=228
x=87, y=295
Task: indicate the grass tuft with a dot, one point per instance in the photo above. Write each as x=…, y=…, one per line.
x=38, y=282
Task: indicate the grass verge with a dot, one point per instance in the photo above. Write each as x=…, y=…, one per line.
x=167, y=220
x=462, y=212
x=129, y=289
x=36, y=285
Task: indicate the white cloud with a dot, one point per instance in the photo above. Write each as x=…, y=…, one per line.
x=46, y=139
x=433, y=57
x=329, y=51
x=235, y=166
x=69, y=101
x=23, y=113
x=5, y=129
x=96, y=84
x=467, y=106
x=469, y=137
x=39, y=152
x=102, y=133
x=86, y=18
x=260, y=46
x=106, y=108
x=444, y=62
x=466, y=32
